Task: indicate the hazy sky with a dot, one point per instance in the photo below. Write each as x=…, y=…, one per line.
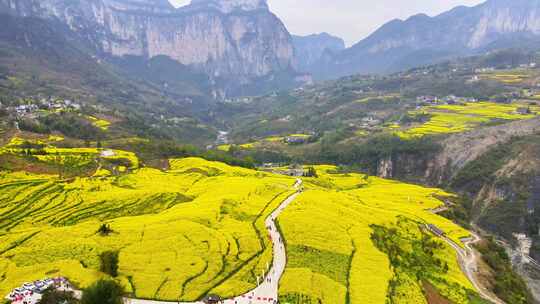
x=351, y=20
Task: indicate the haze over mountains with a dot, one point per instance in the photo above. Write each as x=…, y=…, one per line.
x=223, y=39
x=242, y=48
x=104, y=104
x=422, y=40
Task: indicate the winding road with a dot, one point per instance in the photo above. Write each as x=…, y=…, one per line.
x=468, y=259
x=267, y=291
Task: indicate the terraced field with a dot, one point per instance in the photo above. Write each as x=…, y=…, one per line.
x=510, y=77
x=100, y=123
x=460, y=118
x=199, y=227
x=336, y=235
x=268, y=141
x=175, y=238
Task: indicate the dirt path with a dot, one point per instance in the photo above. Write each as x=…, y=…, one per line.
x=267, y=291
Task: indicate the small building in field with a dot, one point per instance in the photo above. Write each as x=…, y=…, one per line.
x=523, y=111
x=295, y=140
x=107, y=153
x=211, y=299
x=436, y=230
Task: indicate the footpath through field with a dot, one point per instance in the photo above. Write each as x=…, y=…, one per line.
x=267, y=291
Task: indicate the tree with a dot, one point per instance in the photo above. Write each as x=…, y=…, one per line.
x=103, y=292
x=53, y=296
x=109, y=263
x=311, y=172
x=105, y=230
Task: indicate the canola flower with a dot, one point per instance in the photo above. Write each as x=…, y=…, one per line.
x=332, y=257
x=198, y=228
x=195, y=229
x=100, y=123
x=446, y=119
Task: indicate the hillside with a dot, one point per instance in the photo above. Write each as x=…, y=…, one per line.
x=44, y=61
x=136, y=148
x=238, y=48
x=209, y=228
x=469, y=126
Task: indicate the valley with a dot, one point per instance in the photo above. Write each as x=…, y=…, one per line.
x=154, y=154
x=212, y=242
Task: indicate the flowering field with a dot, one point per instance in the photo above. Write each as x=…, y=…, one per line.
x=196, y=228
x=460, y=118
x=333, y=257
x=100, y=123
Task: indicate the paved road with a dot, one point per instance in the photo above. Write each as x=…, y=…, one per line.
x=468, y=260
x=267, y=291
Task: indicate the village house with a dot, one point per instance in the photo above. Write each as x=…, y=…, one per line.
x=484, y=70
x=523, y=111
x=435, y=230
x=292, y=140
x=211, y=299
x=30, y=292
x=107, y=153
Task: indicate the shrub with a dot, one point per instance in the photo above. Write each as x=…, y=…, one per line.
x=311, y=172
x=105, y=230
x=109, y=263
x=103, y=292
x=53, y=296
x=507, y=284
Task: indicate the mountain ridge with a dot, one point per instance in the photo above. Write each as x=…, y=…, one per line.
x=311, y=48
x=461, y=31
x=238, y=39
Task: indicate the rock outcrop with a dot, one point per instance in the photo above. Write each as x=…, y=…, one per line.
x=223, y=38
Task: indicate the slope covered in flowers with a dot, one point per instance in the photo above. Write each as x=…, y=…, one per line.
x=335, y=234
x=444, y=119
x=196, y=228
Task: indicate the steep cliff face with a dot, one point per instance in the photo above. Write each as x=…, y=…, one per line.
x=424, y=40
x=223, y=38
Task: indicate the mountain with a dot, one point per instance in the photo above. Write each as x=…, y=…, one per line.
x=234, y=42
x=422, y=40
x=41, y=59
x=309, y=49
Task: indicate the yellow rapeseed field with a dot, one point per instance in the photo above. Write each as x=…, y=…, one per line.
x=460, y=118
x=332, y=257
x=100, y=123
x=195, y=229
x=198, y=228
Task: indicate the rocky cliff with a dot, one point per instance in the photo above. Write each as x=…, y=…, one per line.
x=238, y=39
x=421, y=39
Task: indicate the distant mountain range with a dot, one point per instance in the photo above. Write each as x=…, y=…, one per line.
x=310, y=49
x=229, y=48
x=421, y=39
